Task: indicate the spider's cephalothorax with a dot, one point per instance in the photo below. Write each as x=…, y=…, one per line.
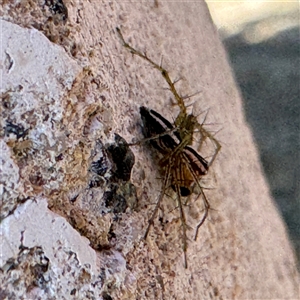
x=182, y=165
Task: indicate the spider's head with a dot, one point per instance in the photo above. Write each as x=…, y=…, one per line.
x=186, y=126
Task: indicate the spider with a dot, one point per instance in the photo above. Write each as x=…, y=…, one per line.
x=183, y=166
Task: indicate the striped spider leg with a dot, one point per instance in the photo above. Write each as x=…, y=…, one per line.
x=156, y=66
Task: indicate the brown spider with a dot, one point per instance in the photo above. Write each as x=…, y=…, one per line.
x=183, y=166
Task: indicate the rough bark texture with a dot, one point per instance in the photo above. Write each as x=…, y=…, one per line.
x=64, y=98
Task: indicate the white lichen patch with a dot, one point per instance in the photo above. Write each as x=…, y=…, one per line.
x=40, y=226
x=46, y=256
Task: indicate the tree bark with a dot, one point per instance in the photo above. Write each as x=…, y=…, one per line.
x=72, y=98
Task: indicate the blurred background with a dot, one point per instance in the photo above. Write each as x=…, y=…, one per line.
x=263, y=44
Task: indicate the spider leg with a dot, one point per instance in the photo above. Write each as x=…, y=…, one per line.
x=206, y=208
x=160, y=197
x=183, y=223
x=205, y=201
x=217, y=146
x=154, y=137
x=163, y=71
x=206, y=134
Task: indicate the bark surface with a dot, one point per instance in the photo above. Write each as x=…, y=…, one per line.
x=68, y=87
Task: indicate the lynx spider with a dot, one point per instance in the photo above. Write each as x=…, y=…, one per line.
x=177, y=163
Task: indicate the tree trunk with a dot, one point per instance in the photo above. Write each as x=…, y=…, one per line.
x=64, y=101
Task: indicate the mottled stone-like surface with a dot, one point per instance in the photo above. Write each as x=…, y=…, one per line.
x=66, y=108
